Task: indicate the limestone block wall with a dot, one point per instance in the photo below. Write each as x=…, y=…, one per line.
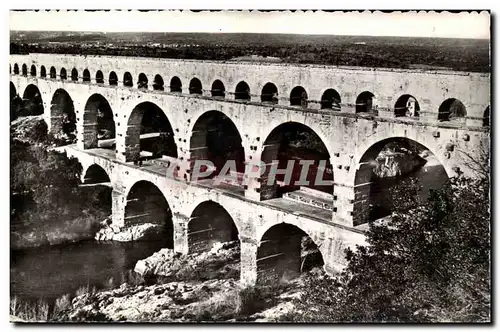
x=347, y=137
x=430, y=88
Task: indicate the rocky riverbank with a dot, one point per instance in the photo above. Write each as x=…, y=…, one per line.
x=142, y=232
x=170, y=287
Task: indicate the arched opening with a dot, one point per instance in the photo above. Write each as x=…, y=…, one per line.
x=97, y=182
x=216, y=138
x=146, y=204
x=53, y=73
x=15, y=102
x=486, y=117
x=43, y=71
x=32, y=103
x=218, y=89
x=127, y=79
x=63, y=74
x=451, y=109
x=210, y=223
x=331, y=100
x=62, y=115
x=25, y=70
x=284, y=253
x=16, y=69
x=158, y=83
x=113, y=78
x=33, y=71
x=407, y=105
x=86, y=75
x=297, y=148
x=175, y=84
x=149, y=134
x=383, y=166
x=74, y=75
x=269, y=93
x=195, y=87
x=242, y=91
x=298, y=97
x=13, y=91
x=99, y=77
x=98, y=123
x=364, y=102
x=142, y=82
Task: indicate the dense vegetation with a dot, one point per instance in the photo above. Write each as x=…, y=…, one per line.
x=394, y=52
x=47, y=203
x=431, y=263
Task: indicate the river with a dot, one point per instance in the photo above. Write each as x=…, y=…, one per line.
x=51, y=272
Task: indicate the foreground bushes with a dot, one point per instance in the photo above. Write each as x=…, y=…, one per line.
x=429, y=264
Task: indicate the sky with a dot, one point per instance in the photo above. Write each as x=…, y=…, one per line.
x=414, y=24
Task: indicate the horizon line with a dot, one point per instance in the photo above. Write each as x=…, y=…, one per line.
x=255, y=33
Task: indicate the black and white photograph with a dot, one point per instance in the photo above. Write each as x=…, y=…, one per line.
x=250, y=166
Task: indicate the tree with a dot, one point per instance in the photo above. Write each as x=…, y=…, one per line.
x=430, y=263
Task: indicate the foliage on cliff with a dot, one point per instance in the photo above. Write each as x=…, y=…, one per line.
x=431, y=263
x=47, y=204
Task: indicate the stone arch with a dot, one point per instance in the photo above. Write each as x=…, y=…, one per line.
x=86, y=75
x=99, y=77
x=97, y=182
x=269, y=93
x=147, y=204
x=142, y=81
x=13, y=91
x=451, y=109
x=33, y=71
x=242, y=91
x=293, y=142
x=218, y=89
x=113, y=78
x=149, y=134
x=331, y=100
x=195, y=87
x=158, y=83
x=383, y=165
x=74, y=74
x=407, y=105
x=216, y=138
x=53, y=73
x=98, y=123
x=127, y=79
x=364, y=102
x=43, y=71
x=210, y=223
x=285, y=251
x=63, y=75
x=25, y=70
x=486, y=117
x=62, y=114
x=32, y=101
x=16, y=69
x=95, y=174
x=298, y=97
x=175, y=84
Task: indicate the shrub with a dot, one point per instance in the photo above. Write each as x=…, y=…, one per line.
x=430, y=263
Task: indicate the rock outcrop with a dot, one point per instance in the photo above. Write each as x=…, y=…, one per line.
x=147, y=231
x=396, y=163
x=168, y=263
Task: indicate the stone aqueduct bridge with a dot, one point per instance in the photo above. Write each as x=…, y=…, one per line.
x=349, y=128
